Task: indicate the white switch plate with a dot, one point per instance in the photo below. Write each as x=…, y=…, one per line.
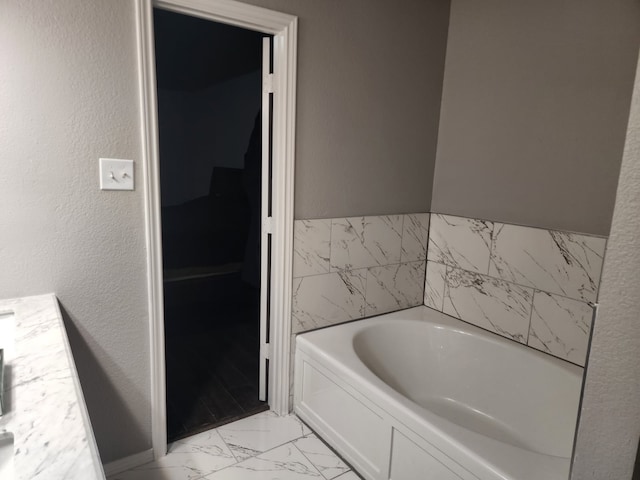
x=116, y=174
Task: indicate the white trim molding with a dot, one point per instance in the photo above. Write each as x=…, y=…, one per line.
x=153, y=227
x=284, y=29
x=127, y=463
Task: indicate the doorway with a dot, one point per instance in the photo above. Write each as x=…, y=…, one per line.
x=209, y=89
x=284, y=28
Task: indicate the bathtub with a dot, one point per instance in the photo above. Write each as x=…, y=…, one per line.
x=419, y=395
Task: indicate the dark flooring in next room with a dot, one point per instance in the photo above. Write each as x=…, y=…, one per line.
x=212, y=346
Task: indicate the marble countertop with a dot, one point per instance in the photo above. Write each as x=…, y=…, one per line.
x=45, y=407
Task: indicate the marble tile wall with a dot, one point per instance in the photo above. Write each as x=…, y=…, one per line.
x=528, y=284
x=349, y=268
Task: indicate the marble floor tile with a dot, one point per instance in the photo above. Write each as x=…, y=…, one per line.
x=257, y=434
x=321, y=456
x=261, y=447
x=187, y=459
x=282, y=463
x=350, y=475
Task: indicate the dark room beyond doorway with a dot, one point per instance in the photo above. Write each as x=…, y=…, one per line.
x=209, y=96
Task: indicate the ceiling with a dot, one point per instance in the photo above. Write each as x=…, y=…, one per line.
x=193, y=53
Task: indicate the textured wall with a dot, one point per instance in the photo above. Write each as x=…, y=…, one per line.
x=369, y=87
x=610, y=422
x=534, y=109
x=69, y=95
x=370, y=77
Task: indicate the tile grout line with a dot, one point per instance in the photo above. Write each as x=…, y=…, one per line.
x=307, y=458
x=365, y=268
x=531, y=317
x=426, y=264
x=446, y=286
x=333, y=451
x=508, y=338
x=260, y=453
x=227, y=445
x=330, y=244
x=511, y=283
x=404, y=217
x=491, y=245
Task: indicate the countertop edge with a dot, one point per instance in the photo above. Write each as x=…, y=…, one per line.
x=46, y=381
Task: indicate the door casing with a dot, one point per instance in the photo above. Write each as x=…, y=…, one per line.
x=283, y=27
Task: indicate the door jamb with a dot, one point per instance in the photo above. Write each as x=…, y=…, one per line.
x=284, y=29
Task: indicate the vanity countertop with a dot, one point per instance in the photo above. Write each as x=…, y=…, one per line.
x=45, y=407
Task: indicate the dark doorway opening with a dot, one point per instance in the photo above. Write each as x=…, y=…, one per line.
x=209, y=96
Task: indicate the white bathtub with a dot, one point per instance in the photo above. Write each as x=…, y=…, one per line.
x=418, y=395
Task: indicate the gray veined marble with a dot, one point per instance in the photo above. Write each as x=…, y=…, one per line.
x=394, y=287
x=460, y=242
x=321, y=456
x=361, y=242
x=434, y=285
x=560, y=326
x=262, y=432
x=283, y=463
x=564, y=263
x=415, y=236
x=311, y=247
x=187, y=459
x=323, y=300
x=495, y=305
x=46, y=412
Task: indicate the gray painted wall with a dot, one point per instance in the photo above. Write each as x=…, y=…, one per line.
x=534, y=110
x=369, y=86
x=370, y=75
x=69, y=95
x=610, y=420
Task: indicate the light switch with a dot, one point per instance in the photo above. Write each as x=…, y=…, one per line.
x=116, y=174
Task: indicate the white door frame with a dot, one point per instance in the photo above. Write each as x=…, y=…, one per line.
x=284, y=29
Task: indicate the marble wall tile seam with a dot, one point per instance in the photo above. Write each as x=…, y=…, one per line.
x=362, y=268
x=535, y=290
x=360, y=242
x=394, y=287
x=549, y=260
x=487, y=302
x=530, y=317
x=511, y=282
x=432, y=288
x=569, y=323
x=399, y=286
x=319, y=254
x=571, y=267
x=510, y=339
x=460, y=242
x=339, y=300
x=531, y=310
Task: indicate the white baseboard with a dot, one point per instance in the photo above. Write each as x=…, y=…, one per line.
x=127, y=463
